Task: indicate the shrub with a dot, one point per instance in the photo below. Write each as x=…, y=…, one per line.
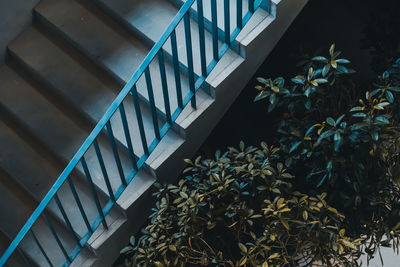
x=240, y=209
x=343, y=141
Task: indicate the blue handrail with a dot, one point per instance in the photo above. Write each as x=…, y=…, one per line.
x=195, y=82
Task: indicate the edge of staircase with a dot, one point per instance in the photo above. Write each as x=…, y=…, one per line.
x=227, y=79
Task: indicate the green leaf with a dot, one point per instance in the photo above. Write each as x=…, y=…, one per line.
x=326, y=69
x=360, y=115
x=298, y=81
x=321, y=80
x=319, y=58
x=294, y=146
x=332, y=50
x=331, y=121
x=382, y=119
x=357, y=109
x=132, y=240
x=339, y=119
x=342, y=61
x=389, y=96
x=126, y=250
x=262, y=80
x=272, y=98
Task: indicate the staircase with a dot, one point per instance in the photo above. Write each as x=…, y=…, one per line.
x=63, y=78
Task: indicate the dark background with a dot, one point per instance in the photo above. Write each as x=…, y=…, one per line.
x=358, y=28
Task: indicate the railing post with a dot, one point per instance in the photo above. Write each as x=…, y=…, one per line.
x=266, y=5
x=214, y=20
x=239, y=14
x=200, y=21
x=189, y=53
x=251, y=6
x=176, y=69
x=152, y=102
x=56, y=237
x=138, y=111
x=41, y=248
x=227, y=19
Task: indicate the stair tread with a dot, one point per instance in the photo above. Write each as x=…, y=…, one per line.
x=39, y=114
x=14, y=218
x=15, y=259
x=151, y=17
x=220, y=13
x=18, y=153
x=86, y=29
x=112, y=49
x=56, y=130
x=78, y=83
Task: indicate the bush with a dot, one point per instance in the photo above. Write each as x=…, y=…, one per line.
x=240, y=209
x=344, y=141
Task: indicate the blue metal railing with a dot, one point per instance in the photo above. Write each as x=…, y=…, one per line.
x=220, y=44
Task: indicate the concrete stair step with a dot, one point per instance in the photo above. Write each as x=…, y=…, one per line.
x=108, y=45
x=15, y=259
x=36, y=163
x=220, y=12
x=151, y=17
x=79, y=83
x=14, y=215
x=58, y=132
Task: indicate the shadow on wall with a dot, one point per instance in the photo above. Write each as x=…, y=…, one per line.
x=321, y=23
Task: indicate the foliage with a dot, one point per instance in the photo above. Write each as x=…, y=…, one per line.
x=345, y=142
x=240, y=209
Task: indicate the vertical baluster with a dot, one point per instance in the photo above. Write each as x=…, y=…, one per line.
x=266, y=4
x=239, y=15
x=79, y=203
x=115, y=152
x=227, y=22
x=23, y=256
x=103, y=169
x=190, y=58
x=128, y=136
x=152, y=103
x=251, y=6
x=175, y=62
x=200, y=21
x=139, y=118
x=214, y=29
x=40, y=247
x=53, y=232
x=66, y=219
x=94, y=194
x=164, y=85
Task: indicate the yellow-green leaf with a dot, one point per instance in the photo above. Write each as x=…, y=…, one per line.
x=285, y=223
x=305, y=215
x=275, y=89
x=243, y=261
x=242, y=247
x=280, y=202
x=274, y=256
x=348, y=244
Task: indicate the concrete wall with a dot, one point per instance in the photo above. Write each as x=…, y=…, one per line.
x=15, y=15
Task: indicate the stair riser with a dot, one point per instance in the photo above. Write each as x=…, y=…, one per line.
x=118, y=79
